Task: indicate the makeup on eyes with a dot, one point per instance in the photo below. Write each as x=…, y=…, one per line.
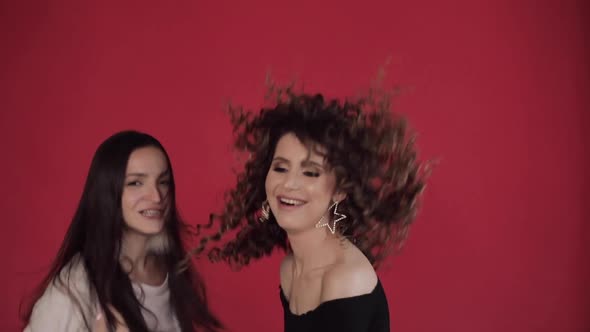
x=310, y=168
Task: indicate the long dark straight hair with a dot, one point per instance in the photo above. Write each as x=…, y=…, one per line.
x=95, y=236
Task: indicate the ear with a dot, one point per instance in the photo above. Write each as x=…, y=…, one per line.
x=338, y=196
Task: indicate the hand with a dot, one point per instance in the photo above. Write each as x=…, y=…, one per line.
x=100, y=325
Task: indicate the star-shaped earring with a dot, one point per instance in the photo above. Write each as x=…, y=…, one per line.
x=337, y=217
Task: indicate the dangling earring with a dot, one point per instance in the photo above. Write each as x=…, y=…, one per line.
x=265, y=212
x=337, y=217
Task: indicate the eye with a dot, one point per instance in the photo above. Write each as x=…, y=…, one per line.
x=134, y=183
x=312, y=174
x=279, y=169
x=165, y=182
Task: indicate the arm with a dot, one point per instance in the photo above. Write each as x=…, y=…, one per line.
x=56, y=310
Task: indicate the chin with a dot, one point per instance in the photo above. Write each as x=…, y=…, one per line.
x=152, y=228
x=292, y=226
x=148, y=231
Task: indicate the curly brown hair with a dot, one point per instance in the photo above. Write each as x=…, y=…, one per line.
x=370, y=151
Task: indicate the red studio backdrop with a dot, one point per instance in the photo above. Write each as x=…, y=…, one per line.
x=498, y=92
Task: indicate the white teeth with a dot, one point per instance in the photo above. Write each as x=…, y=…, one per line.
x=151, y=213
x=291, y=201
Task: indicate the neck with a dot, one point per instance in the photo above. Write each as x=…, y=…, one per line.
x=138, y=262
x=313, y=248
x=133, y=250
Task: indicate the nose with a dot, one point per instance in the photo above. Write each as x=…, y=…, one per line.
x=154, y=194
x=291, y=181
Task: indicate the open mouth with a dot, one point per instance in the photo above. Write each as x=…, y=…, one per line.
x=151, y=213
x=290, y=201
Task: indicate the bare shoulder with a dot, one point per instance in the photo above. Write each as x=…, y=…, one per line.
x=353, y=277
x=286, y=271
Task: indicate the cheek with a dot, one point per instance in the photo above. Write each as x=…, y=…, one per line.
x=268, y=184
x=128, y=200
x=324, y=188
x=125, y=208
x=167, y=204
x=164, y=192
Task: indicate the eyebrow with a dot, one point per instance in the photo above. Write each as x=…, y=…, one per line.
x=303, y=163
x=143, y=175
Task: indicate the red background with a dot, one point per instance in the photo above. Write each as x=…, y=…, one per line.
x=497, y=90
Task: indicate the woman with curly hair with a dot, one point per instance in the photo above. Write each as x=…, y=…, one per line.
x=335, y=185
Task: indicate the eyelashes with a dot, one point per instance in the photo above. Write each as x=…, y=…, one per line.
x=137, y=183
x=279, y=169
x=312, y=174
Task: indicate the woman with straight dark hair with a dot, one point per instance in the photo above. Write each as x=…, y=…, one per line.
x=117, y=268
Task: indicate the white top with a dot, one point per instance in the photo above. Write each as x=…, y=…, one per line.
x=58, y=310
x=156, y=299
